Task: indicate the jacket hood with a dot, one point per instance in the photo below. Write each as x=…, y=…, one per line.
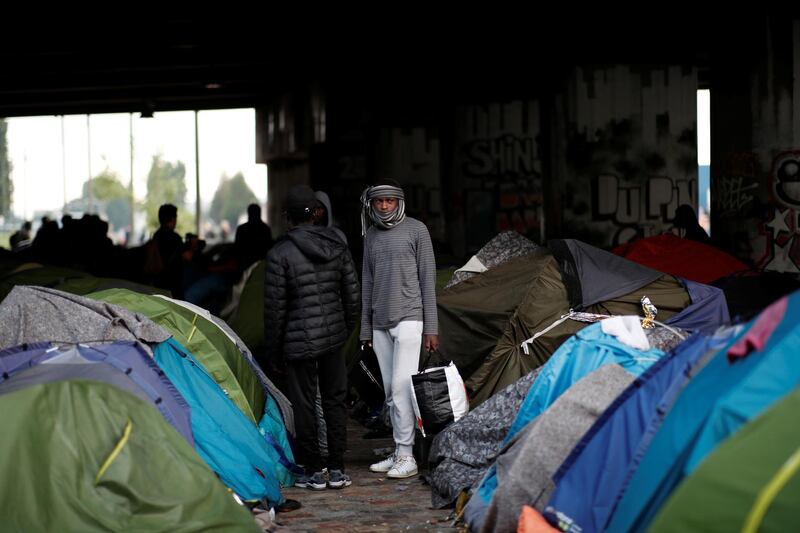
x=318, y=243
x=323, y=198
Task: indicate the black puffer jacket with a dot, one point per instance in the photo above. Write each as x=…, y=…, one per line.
x=311, y=294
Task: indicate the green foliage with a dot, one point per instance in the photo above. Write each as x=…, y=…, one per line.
x=166, y=184
x=110, y=199
x=231, y=199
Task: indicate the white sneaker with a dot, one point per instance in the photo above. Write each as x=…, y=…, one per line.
x=384, y=466
x=405, y=466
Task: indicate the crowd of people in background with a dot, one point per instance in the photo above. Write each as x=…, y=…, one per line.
x=183, y=265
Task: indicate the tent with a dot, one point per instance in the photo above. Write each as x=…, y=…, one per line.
x=202, y=339
x=122, y=364
x=749, y=483
x=474, y=313
x=588, y=350
x=685, y=258
x=39, y=314
x=248, y=461
x=500, y=249
x=246, y=315
x=65, y=279
x=460, y=455
x=525, y=467
x=115, y=465
x=581, y=278
x=282, y=411
x=593, y=474
x=741, y=381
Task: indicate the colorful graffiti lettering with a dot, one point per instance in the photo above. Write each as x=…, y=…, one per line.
x=782, y=247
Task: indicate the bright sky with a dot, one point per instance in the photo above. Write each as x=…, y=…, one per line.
x=44, y=174
x=704, y=127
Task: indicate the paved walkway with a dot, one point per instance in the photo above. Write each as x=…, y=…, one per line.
x=371, y=503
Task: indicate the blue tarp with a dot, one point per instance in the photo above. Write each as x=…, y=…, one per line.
x=726, y=394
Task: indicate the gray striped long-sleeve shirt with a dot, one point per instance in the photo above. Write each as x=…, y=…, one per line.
x=398, y=278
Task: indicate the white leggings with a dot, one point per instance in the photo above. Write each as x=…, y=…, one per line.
x=397, y=350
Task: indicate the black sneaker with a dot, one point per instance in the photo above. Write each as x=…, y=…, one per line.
x=338, y=480
x=315, y=482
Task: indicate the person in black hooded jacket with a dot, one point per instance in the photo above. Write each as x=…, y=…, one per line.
x=311, y=304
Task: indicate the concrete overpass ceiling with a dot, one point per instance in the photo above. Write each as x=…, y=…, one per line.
x=67, y=65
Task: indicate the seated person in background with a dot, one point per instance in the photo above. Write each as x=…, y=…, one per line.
x=686, y=222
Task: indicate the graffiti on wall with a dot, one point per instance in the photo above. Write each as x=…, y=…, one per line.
x=504, y=155
x=497, y=160
x=620, y=185
x=507, y=166
x=519, y=209
x=782, y=247
x=642, y=208
x=734, y=190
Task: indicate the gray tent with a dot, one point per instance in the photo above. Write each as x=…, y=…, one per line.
x=38, y=314
x=464, y=450
x=502, y=248
x=525, y=467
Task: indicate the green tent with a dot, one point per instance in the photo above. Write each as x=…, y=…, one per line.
x=474, y=313
x=204, y=339
x=484, y=319
x=86, y=456
x=248, y=318
x=749, y=483
x=63, y=279
x=543, y=304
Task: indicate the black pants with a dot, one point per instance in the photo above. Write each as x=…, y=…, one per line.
x=301, y=388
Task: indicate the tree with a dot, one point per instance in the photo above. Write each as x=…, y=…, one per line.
x=166, y=184
x=231, y=199
x=6, y=187
x=110, y=197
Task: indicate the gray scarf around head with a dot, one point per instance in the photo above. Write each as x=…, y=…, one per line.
x=384, y=221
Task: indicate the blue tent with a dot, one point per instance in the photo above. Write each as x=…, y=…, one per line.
x=123, y=364
x=587, y=350
x=708, y=310
x=225, y=438
x=740, y=382
x=589, y=480
x=584, y=352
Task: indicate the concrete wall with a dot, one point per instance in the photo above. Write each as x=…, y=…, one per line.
x=496, y=180
x=755, y=144
x=602, y=154
x=624, y=151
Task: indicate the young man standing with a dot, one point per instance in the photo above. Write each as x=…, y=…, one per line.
x=310, y=307
x=398, y=309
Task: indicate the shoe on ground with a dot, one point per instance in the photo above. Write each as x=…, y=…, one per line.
x=316, y=481
x=381, y=467
x=405, y=466
x=338, y=479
